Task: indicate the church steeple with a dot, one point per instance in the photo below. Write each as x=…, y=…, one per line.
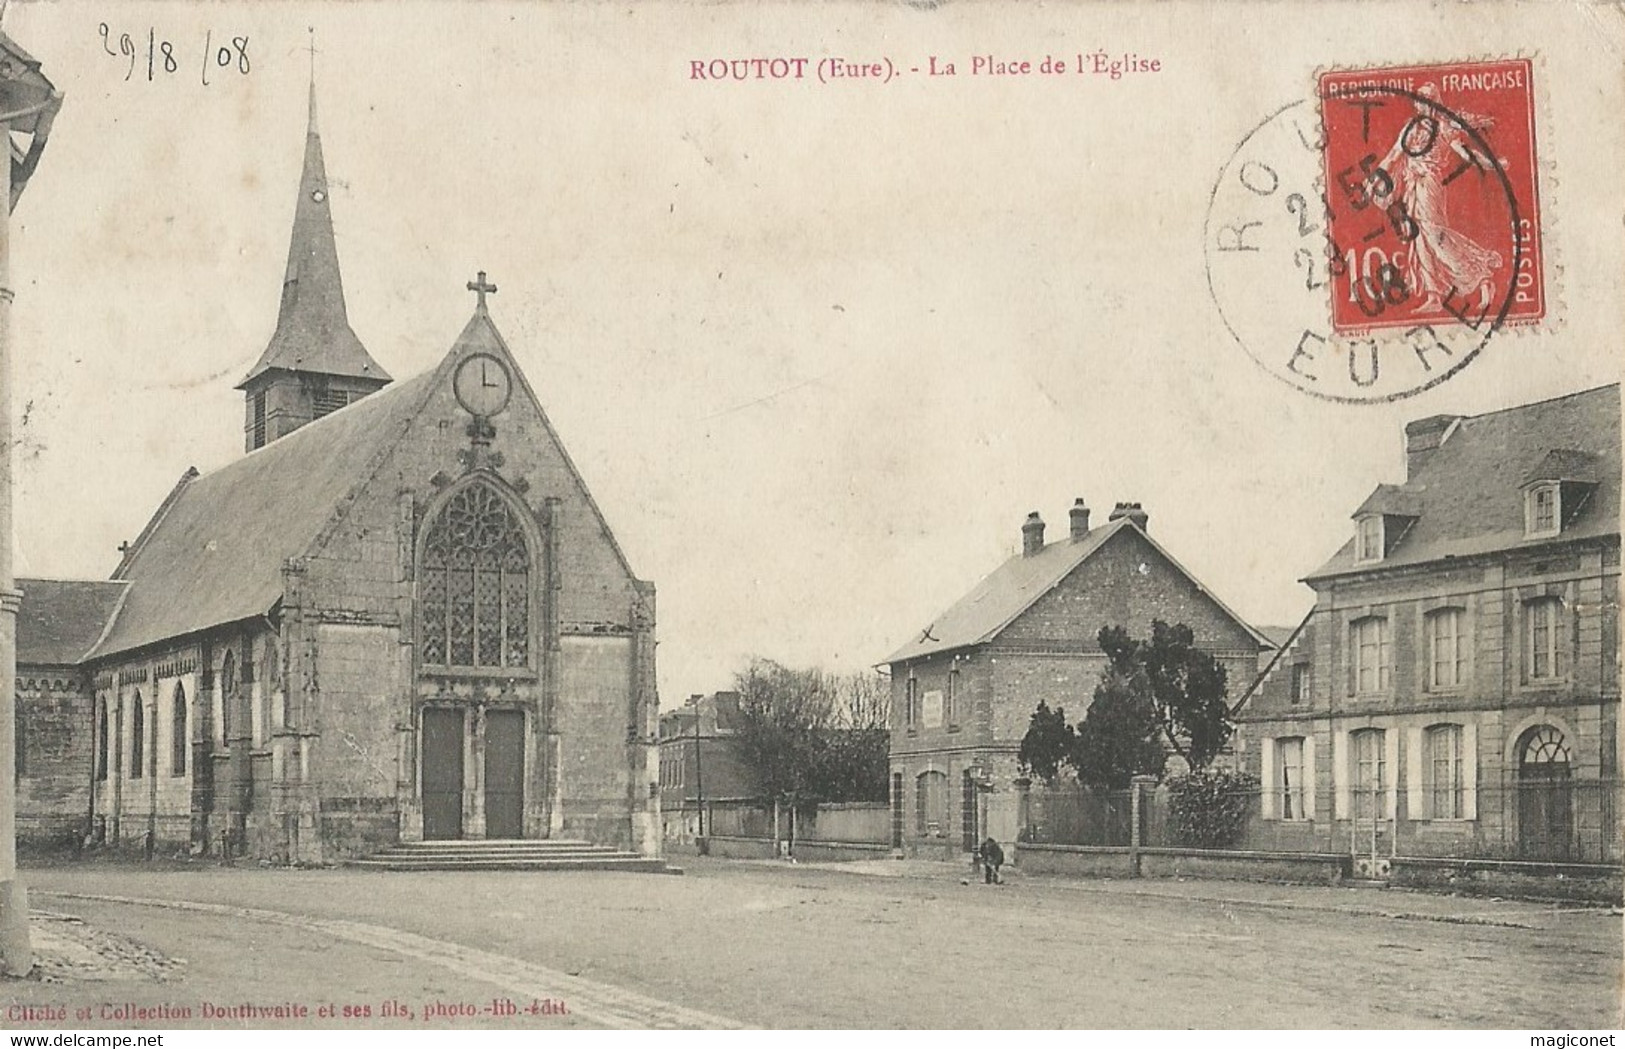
x=314, y=363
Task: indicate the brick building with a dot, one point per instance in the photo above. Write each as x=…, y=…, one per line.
x=1455, y=689
x=965, y=687
x=700, y=767
x=398, y=616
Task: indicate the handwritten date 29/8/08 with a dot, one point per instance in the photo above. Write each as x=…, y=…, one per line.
x=161, y=59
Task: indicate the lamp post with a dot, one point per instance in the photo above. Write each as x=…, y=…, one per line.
x=28, y=105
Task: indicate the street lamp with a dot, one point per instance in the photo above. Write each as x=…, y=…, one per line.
x=28, y=105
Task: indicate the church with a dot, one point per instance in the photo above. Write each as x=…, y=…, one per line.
x=398, y=617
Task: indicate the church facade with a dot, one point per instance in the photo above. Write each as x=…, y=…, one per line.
x=399, y=616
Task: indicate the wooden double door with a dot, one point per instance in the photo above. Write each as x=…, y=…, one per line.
x=445, y=750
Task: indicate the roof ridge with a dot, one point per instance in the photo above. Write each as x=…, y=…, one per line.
x=342, y=510
x=1111, y=529
x=376, y=397
x=135, y=548
x=1545, y=400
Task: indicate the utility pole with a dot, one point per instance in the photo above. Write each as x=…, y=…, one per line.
x=28, y=105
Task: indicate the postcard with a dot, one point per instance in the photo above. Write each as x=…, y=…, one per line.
x=538, y=516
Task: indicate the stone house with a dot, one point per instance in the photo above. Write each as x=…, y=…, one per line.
x=1455, y=689
x=398, y=616
x=965, y=687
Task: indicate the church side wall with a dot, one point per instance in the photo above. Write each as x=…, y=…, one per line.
x=150, y=794
x=56, y=750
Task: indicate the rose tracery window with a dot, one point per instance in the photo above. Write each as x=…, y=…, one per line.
x=475, y=584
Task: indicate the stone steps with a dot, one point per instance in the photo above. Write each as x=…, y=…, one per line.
x=527, y=855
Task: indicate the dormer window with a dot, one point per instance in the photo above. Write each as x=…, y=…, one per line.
x=1368, y=539
x=1382, y=520
x=1556, y=491
x=1543, y=511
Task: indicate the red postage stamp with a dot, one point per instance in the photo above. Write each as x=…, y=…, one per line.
x=1432, y=196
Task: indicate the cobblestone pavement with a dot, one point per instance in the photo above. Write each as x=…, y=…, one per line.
x=813, y=946
x=67, y=949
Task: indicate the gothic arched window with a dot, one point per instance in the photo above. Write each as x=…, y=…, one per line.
x=474, y=593
x=178, y=738
x=138, y=738
x=228, y=695
x=101, y=739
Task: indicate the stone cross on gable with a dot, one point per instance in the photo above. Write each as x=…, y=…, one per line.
x=479, y=287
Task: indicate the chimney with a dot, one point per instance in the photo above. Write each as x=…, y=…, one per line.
x=1080, y=519
x=1131, y=511
x=1423, y=437
x=1032, y=535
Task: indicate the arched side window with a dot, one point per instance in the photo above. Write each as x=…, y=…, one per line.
x=228, y=695
x=19, y=724
x=474, y=589
x=101, y=739
x=178, y=735
x=138, y=737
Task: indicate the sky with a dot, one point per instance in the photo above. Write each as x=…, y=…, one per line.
x=816, y=348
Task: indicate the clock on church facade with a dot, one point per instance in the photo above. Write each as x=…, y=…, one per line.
x=482, y=385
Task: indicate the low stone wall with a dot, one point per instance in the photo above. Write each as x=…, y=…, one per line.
x=1087, y=861
x=1585, y=882
x=826, y=851
x=1309, y=868
x=1103, y=861
x=729, y=847
x=740, y=848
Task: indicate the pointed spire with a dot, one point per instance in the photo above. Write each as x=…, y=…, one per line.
x=313, y=331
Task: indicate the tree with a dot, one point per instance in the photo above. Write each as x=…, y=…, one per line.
x=1049, y=745
x=1120, y=735
x=1154, y=696
x=1188, y=690
x=855, y=759
x=808, y=736
x=783, y=715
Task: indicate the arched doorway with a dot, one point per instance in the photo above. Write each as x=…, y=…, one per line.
x=1545, y=810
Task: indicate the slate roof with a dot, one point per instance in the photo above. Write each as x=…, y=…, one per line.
x=1468, y=490
x=213, y=553
x=1566, y=464
x=61, y=619
x=1011, y=589
x=1391, y=499
x=313, y=331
